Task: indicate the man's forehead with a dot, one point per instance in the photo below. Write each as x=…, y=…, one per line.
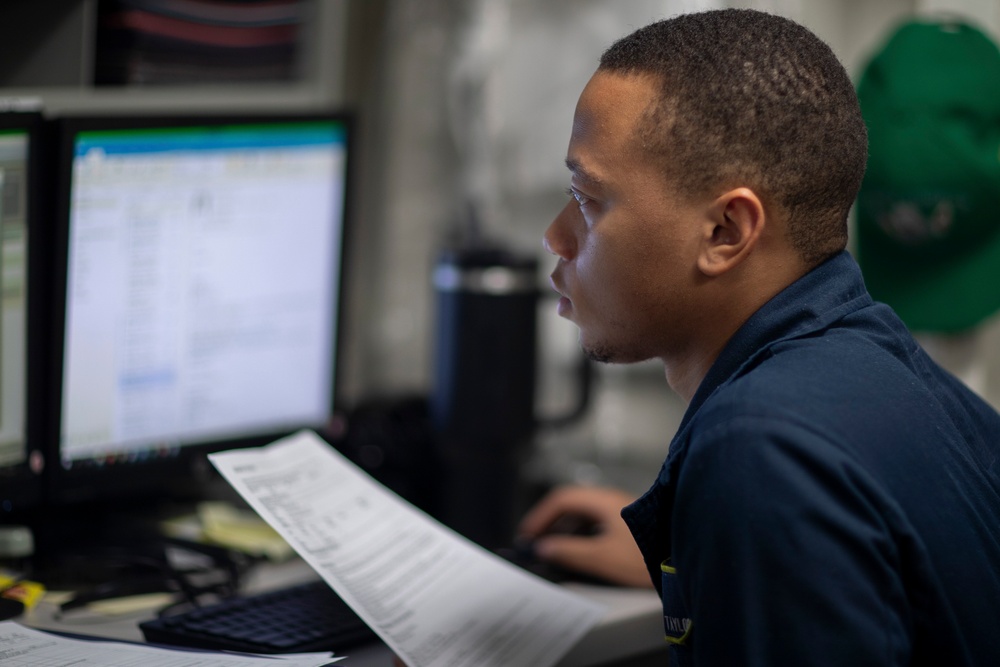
x=611, y=109
x=615, y=96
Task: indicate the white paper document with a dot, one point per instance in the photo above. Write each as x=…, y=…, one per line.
x=25, y=647
x=437, y=599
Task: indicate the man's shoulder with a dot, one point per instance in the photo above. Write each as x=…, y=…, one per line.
x=851, y=405
x=817, y=378
x=848, y=390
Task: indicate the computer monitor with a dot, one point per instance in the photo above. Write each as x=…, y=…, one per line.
x=21, y=297
x=200, y=270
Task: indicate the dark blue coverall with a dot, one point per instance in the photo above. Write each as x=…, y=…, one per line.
x=832, y=496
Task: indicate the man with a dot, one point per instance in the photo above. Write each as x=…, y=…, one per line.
x=832, y=497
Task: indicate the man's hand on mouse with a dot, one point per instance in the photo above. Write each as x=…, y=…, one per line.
x=606, y=551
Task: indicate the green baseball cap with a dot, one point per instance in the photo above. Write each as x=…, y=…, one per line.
x=928, y=220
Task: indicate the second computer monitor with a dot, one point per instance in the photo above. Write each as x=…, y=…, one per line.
x=203, y=266
x=22, y=332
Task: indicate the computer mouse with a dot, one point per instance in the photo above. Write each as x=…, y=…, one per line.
x=522, y=552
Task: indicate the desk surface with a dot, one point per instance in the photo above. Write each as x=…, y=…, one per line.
x=631, y=632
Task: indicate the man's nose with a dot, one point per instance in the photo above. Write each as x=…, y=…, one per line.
x=558, y=239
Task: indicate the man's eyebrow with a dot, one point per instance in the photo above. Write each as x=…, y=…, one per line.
x=580, y=172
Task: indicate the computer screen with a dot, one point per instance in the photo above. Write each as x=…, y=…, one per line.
x=202, y=261
x=21, y=460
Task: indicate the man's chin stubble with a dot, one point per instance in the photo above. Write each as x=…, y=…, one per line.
x=603, y=354
x=606, y=354
x=600, y=356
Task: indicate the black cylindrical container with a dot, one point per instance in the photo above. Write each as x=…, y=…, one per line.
x=483, y=399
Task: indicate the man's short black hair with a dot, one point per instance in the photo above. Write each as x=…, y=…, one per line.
x=756, y=100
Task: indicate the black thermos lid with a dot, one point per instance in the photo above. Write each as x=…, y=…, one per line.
x=485, y=270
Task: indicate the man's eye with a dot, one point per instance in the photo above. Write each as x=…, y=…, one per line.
x=581, y=199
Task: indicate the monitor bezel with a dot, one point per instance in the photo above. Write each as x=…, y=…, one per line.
x=22, y=485
x=184, y=475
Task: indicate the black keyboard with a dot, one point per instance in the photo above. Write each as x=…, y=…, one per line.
x=300, y=618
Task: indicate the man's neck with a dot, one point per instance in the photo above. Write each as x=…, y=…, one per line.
x=685, y=372
x=732, y=306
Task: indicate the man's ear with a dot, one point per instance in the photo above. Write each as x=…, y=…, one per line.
x=734, y=226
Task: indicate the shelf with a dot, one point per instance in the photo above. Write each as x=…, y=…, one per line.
x=57, y=67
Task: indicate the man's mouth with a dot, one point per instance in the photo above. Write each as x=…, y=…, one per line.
x=565, y=304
